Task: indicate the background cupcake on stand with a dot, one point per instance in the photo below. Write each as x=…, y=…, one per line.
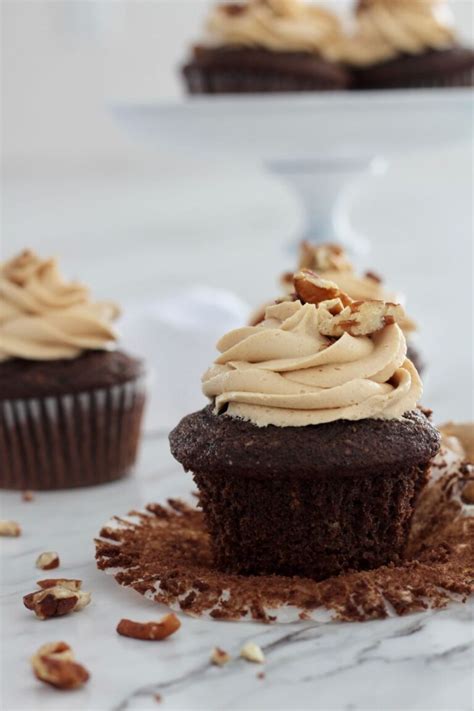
x=403, y=44
x=266, y=46
x=71, y=404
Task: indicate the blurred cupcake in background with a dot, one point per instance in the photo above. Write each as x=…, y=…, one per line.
x=71, y=404
x=401, y=44
x=266, y=46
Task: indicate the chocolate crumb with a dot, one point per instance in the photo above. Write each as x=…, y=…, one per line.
x=261, y=675
x=158, y=698
x=27, y=496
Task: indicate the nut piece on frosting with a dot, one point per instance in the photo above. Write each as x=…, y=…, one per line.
x=338, y=313
x=313, y=289
x=54, y=664
x=323, y=257
x=56, y=597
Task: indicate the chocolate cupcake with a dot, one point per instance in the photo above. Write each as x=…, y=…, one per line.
x=331, y=262
x=266, y=46
x=70, y=403
x=310, y=459
x=402, y=44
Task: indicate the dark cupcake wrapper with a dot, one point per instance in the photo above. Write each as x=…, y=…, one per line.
x=316, y=528
x=73, y=440
x=210, y=80
x=463, y=78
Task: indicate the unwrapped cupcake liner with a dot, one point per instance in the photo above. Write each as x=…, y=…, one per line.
x=67, y=441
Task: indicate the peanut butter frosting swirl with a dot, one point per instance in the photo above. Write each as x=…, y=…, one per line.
x=388, y=28
x=44, y=317
x=277, y=25
x=284, y=372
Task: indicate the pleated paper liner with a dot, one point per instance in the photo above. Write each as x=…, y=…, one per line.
x=68, y=441
x=164, y=554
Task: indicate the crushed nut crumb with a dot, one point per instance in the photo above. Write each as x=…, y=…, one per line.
x=252, y=653
x=10, y=528
x=47, y=560
x=220, y=657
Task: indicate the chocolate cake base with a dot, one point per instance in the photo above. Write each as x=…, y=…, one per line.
x=66, y=424
x=311, y=501
x=442, y=68
x=251, y=70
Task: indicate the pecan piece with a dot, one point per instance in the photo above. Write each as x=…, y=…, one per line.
x=151, y=631
x=313, y=289
x=10, y=528
x=361, y=318
x=323, y=257
x=219, y=657
x=55, y=599
x=54, y=664
x=47, y=560
x=252, y=653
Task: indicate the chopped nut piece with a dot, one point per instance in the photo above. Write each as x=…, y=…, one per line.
x=468, y=493
x=69, y=583
x=252, y=653
x=375, y=277
x=54, y=664
x=313, y=289
x=10, y=528
x=261, y=675
x=323, y=257
x=56, y=599
x=361, y=318
x=219, y=657
x=47, y=560
x=152, y=631
x=27, y=496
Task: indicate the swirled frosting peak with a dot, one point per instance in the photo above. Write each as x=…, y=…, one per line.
x=286, y=372
x=45, y=317
x=388, y=28
x=277, y=25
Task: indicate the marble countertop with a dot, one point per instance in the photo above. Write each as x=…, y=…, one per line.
x=422, y=661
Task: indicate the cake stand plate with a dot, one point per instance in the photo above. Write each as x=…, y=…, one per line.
x=318, y=143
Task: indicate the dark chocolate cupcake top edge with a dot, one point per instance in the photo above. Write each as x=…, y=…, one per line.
x=218, y=444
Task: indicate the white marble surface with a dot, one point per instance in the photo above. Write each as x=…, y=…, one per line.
x=423, y=661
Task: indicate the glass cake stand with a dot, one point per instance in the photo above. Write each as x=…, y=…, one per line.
x=319, y=144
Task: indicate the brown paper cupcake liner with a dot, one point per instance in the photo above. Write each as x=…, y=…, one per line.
x=219, y=81
x=68, y=441
x=164, y=553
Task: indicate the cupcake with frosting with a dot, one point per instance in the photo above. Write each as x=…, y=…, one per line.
x=404, y=44
x=313, y=450
x=266, y=46
x=71, y=403
x=331, y=262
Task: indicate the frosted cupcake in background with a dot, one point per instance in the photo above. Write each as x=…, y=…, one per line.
x=71, y=403
x=400, y=44
x=266, y=46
